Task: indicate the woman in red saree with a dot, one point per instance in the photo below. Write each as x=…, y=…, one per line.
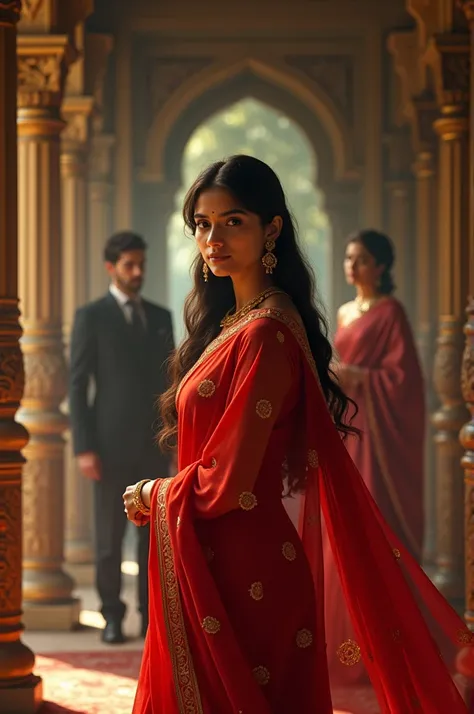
x=236, y=593
x=380, y=371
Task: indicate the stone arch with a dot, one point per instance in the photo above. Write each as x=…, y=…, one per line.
x=219, y=85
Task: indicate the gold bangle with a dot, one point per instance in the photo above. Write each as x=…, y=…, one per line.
x=137, y=497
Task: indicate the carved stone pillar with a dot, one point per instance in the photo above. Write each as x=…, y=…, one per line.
x=399, y=212
x=47, y=589
x=343, y=208
x=154, y=205
x=101, y=197
x=466, y=658
x=74, y=148
x=20, y=690
x=425, y=172
x=450, y=62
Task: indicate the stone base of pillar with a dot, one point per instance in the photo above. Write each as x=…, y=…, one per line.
x=56, y=618
x=23, y=698
x=83, y=574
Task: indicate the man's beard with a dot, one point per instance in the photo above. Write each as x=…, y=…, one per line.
x=133, y=286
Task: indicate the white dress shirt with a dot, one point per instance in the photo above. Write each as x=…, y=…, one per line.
x=124, y=300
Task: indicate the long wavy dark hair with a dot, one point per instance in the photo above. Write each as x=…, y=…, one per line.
x=256, y=188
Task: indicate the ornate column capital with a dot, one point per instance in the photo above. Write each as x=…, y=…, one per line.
x=405, y=50
x=434, y=17
x=51, y=16
x=10, y=11
x=449, y=57
x=43, y=62
x=76, y=112
x=467, y=6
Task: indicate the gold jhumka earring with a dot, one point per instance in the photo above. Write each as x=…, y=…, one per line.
x=269, y=260
x=205, y=272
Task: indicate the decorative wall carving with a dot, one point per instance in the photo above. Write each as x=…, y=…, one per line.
x=467, y=441
x=10, y=548
x=39, y=74
x=30, y=8
x=12, y=375
x=46, y=374
x=333, y=73
x=10, y=10
x=164, y=75
x=42, y=71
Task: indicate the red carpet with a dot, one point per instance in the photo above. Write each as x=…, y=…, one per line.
x=104, y=683
x=89, y=682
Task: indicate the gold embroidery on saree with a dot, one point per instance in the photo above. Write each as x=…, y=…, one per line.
x=289, y=551
x=186, y=686
x=262, y=675
x=211, y=625
x=280, y=337
x=206, y=388
x=247, y=501
x=313, y=459
x=256, y=591
x=264, y=409
x=304, y=638
x=349, y=653
x=396, y=554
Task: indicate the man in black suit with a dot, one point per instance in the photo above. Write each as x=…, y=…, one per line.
x=119, y=346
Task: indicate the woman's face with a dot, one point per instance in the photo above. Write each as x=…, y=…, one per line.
x=231, y=239
x=360, y=267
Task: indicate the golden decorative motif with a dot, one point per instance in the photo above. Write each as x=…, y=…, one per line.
x=264, y=409
x=214, y=463
x=289, y=551
x=256, y=591
x=206, y=389
x=313, y=459
x=465, y=637
x=280, y=337
x=396, y=553
x=247, y=501
x=178, y=521
x=232, y=319
x=186, y=686
x=349, y=653
x=262, y=675
x=211, y=625
x=304, y=638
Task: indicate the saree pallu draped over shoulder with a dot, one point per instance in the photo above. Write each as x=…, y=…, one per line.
x=236, y=593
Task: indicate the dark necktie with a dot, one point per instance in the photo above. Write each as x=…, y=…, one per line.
x=137, y=322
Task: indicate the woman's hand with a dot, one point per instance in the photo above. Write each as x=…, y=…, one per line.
x=133, y=515
x=350, y=376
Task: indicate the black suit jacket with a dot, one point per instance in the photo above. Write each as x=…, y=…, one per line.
x=118, y=419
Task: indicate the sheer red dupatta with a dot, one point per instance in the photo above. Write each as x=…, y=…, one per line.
x=185, y=671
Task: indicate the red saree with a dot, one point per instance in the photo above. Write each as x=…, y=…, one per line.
x=389, y=456
x=236, y=597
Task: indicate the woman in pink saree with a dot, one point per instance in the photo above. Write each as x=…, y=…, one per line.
x=379, y=369
x=237, y=620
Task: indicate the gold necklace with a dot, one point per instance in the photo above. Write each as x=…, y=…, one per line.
x=231, y=319
x=365, y=304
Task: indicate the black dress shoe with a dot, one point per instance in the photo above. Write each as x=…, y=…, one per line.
x=144, y=628
x=112, y=633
